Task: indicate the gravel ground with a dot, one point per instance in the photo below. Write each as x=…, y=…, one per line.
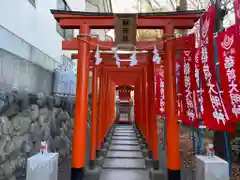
x=64, y=169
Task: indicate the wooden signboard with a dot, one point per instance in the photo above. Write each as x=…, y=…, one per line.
x=125, y=30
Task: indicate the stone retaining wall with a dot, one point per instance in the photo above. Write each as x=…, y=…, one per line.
x=25, y=121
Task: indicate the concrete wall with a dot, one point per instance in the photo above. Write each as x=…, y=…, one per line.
x=18, y=73
x=29, y=23
x=29, y=40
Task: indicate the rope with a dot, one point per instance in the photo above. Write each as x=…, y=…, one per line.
x=145, y=47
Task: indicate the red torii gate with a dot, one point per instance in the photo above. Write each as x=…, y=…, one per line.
x=85, y=21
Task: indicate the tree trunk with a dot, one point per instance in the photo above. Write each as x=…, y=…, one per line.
x=219, y=144
x=182, y=7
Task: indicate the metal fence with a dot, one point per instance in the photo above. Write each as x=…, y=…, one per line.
x=64, y=82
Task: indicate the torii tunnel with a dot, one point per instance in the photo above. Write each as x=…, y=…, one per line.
x=114, y=144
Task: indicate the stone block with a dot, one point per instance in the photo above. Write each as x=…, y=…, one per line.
x=109, y=139
x=148, y=162
x=141, y=141
x=104, y=152
x=106, y=145
x=100, y=161
x=109, y=136
x=145, y=152
x=143, y=146
x=156, y=174
x=138, y=135
x=92, y=174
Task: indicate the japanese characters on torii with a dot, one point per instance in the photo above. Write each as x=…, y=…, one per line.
x=179, y=102
x=97, y=56
x=162, y=101
x=156, y=57
x=189, y=96
x=219, y=112
x=229, y=65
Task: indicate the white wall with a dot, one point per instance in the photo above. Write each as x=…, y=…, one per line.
x=76, y=5
x=35, y=25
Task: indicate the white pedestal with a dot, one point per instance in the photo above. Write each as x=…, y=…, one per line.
x=211, y=168
x=42, y=167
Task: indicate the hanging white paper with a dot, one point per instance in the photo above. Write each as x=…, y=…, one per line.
x=156, y=57
x=97, y=56
x=133, y=59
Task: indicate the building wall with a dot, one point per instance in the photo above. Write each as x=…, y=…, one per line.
x=29, y=40
x=28, y=36
x=97, y=6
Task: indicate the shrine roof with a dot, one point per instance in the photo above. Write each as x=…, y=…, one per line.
x=168, y=13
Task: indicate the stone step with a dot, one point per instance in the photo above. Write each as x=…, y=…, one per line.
x=125, y=147
x=124, y=138
x=120, y=163
x=124, y=154
x=124, y=142
x=124, y=131
x=120, y=174
x=125, y=134
x=124, y=126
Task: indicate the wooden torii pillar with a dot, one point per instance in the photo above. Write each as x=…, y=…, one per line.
x=86, y=21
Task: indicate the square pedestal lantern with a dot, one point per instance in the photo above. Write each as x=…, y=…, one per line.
x=211, y=168
x=42, y=166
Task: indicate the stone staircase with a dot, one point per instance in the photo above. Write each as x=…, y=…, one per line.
x=124, y=159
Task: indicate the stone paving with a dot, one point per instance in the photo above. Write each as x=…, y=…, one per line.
x=124, y=159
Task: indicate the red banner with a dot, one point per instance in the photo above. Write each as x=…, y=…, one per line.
x=187, y=79
x=237, y=19
x=227, y=56
x=161, y=85
x=214, y=115
x=197, y=85
x=237, y=15
x=157, y=93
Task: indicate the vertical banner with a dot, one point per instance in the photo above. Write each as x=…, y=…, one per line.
x=237, y=27
x=161, y=85
x=237, y=15
x=227, y=56
x=187, y=79
x=214, y=114
x=157, y=92
x=197, y=85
